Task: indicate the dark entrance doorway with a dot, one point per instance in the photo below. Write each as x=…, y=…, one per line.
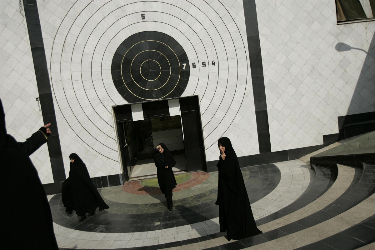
x=141, y=138
x=135, y=142
x=159, y=122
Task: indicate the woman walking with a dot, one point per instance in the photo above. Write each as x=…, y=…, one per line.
x=79, y=193
x=164, y=162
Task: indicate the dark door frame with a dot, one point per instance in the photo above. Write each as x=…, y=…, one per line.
x=191, y=129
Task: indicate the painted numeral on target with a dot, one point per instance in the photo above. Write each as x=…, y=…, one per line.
x=213, y=63
x=194, y=65
x=143, y=16
x=204, y=64
x=184, y=66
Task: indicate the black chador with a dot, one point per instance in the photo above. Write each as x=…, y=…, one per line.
x=25, y=215
x=78, y=191
x=164, y=162
x=235, y=215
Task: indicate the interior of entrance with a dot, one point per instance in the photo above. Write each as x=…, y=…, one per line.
x=144, y=135
x=140, y=127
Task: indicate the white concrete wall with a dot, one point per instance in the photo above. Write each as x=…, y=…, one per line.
x=18, y=89
x=308, y=83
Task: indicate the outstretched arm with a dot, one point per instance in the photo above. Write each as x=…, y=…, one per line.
x=36, y=140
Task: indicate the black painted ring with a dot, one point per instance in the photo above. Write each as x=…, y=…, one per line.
x=150, y=65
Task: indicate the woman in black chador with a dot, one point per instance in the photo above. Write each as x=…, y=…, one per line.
x=78, y=191
x=235, y=215
x=25, y=215
x=164, y=162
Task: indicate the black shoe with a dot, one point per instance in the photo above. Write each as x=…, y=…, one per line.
x=82, y=218
x=91, y=214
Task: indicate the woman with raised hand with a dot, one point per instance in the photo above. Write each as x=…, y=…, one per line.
x=164, y=162
x=25, y=215
x=235, y=215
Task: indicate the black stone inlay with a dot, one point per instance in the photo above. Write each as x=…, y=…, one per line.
x=104, y=180
x=52, y=188
x=260, y=102
x=97, y=182
x=155, y=109
x=230, y=246
x=150, y=65
x=355, y=118
x=114, y=180
x=44, y=88
x=318, y=186
x=193, y=134
x=123, y=113
x=354, y=160
x=332, y=138
x=316, y=246
x=338, y=241
x=361, y=232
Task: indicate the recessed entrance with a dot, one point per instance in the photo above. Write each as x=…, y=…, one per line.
x=175, y=122
x=143, y=136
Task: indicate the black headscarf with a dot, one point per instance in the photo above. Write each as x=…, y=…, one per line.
x=80, y=167
x=25, y=215
x=168, y=158
x=229, y=151
x=230, y=167
x=76, y=158
x=166, y=179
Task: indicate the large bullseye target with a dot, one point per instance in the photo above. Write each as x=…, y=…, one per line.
x=150, y=65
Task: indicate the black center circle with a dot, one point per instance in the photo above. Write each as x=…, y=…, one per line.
x=150, y=65
x=150, y=70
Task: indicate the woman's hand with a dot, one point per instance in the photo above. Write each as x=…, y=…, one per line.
x=223, y=155
x=47, y=128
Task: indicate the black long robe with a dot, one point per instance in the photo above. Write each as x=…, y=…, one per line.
x=235, y=215
x=166, y=179
x=25, y=215
x=79, y=193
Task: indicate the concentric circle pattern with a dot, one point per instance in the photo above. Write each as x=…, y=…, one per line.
x=150, y=65
x=107, y=53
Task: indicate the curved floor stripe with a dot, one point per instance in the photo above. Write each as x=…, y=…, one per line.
x=295, y=178
x=337, y=224
x=339, y=187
